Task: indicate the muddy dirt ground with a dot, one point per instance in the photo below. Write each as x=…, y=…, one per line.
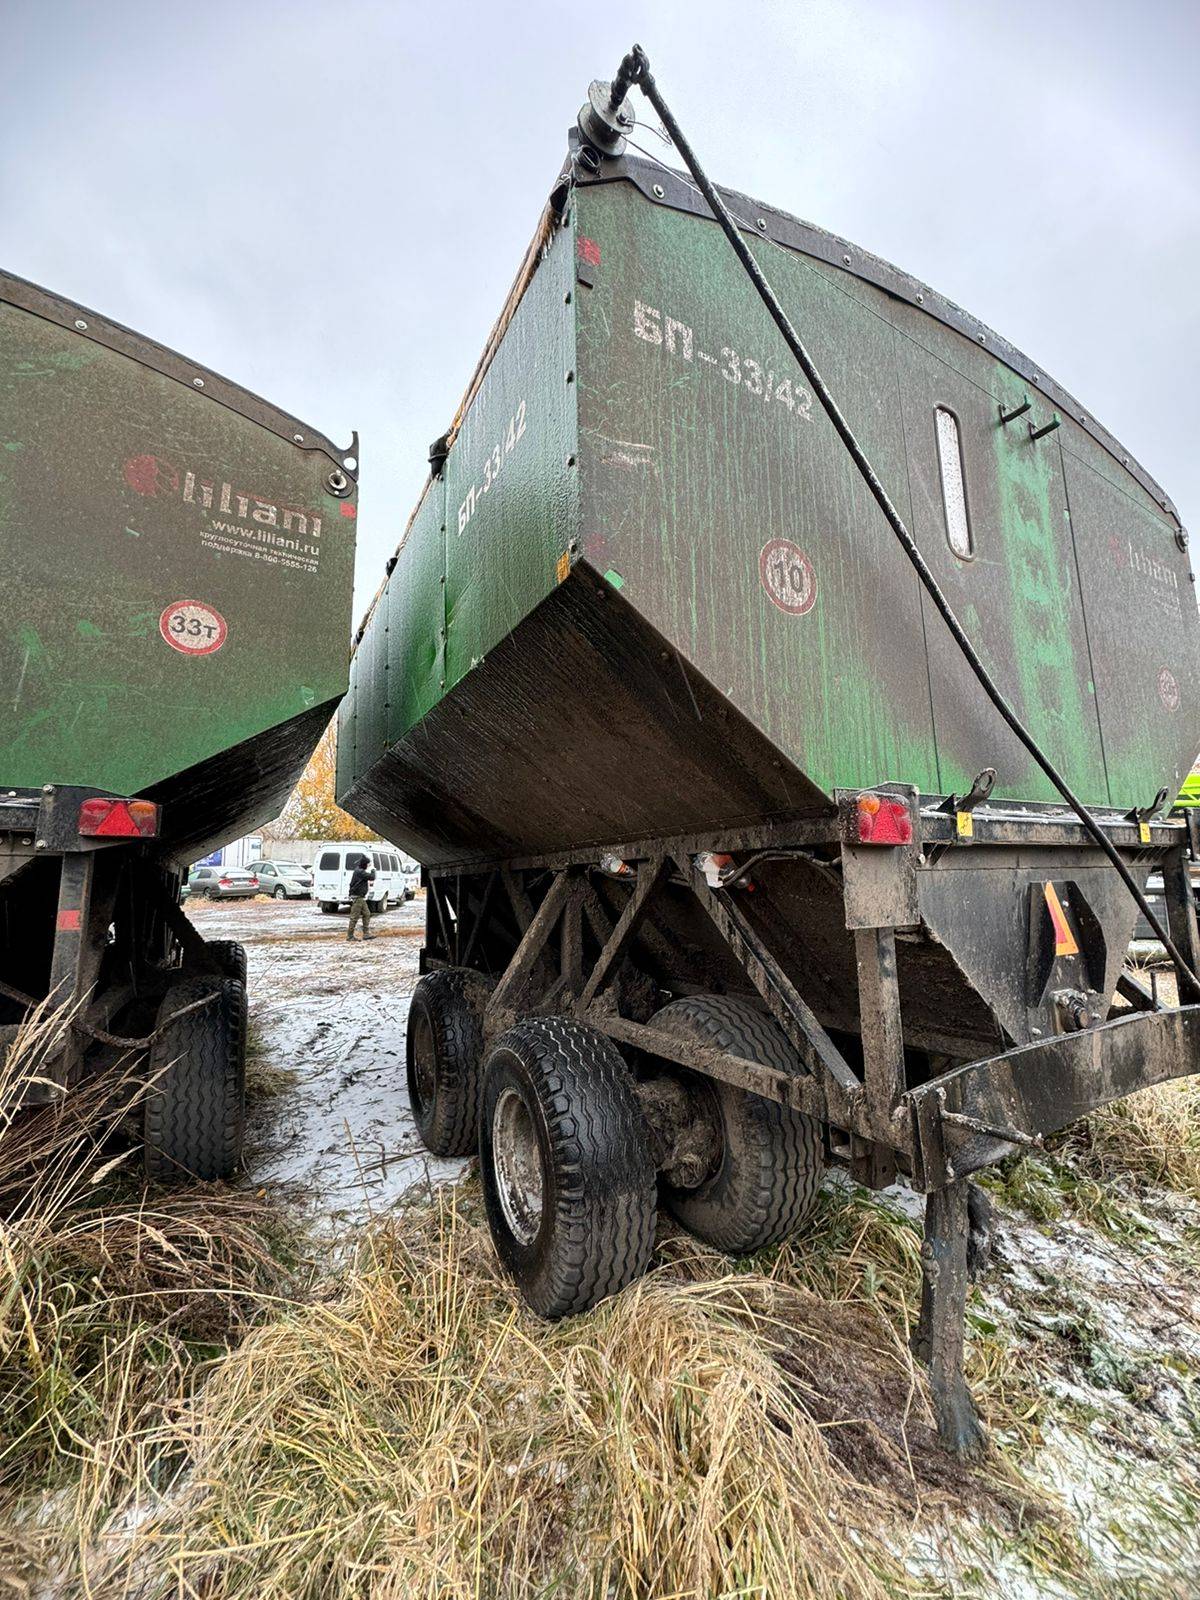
x=329, y=1115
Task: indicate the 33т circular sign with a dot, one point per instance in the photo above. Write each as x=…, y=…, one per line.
x=788, y=577
x=193, y=627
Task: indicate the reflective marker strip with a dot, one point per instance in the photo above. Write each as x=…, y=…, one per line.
x=1064, y=939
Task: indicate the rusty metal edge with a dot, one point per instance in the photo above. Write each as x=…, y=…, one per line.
x=805, y=237
x=1032, y=823
x=1164, y=1037
x=146, y=352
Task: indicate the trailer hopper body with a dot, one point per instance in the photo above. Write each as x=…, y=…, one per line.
x=174, y=637
x=649, y=655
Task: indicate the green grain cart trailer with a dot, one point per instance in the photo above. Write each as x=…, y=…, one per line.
x=732, y=868
x=176, y=571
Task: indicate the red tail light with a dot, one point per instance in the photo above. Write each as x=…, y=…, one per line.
x=879, y=819
x=118, y=819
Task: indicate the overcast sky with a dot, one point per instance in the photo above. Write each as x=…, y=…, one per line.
x=327, y=202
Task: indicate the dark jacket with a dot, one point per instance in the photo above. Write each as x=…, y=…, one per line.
x=359, y=879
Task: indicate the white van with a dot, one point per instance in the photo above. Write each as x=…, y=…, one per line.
x=335, y=863
x=412, y=875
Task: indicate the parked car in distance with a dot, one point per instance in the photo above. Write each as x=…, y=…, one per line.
x=283, y=880
x=221, y=883
x=335, y=863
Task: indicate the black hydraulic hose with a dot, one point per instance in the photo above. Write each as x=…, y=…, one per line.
x=635, y=68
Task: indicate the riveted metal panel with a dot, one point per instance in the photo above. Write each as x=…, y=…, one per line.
x=1143, y=625
x=755, y=583
x=912, y=304
x=374, y=685
x=347, y=724
x=176, y=574
x=1017, y=597
x=511, y=476
x=715, y=491
x=416, y=608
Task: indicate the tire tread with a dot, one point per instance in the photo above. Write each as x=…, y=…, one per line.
x=453, y=997
x=780, y=1154
x=604, y=1182
x=195, y=1106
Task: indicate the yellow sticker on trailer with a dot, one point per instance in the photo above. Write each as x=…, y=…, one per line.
x=965, y=823
x=1144, y=832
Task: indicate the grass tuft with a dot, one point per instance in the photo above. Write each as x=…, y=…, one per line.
x=1152, y=1137
x=713, y=1431
x=111, y=1297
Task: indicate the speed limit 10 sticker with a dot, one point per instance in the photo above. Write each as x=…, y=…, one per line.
x=193, y=627
x=788, y=577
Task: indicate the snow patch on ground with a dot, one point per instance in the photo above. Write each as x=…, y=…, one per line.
x=330, y=1017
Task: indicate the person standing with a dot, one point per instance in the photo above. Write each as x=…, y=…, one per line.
x=360, y=880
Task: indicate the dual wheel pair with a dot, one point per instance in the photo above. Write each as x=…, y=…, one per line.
x=567, y=1155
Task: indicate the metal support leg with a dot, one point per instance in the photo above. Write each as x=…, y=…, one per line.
x=940, y=1332
x=571, y=943
x=649, y=876
x=524, y=962
x=1181, y=904
x=882, y=1031
x=76, y=959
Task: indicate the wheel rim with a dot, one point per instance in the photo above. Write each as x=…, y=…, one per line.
x=281, y=893
x=517, y=1161
x=424, y=1082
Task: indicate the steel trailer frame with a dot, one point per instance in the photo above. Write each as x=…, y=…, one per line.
x=521, y=924
x=122, y=885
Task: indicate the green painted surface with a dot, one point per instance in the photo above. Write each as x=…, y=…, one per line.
x=510, y=479
x=485, y=544
x=1051, y=667
x=104, y=470
x=713, y=495
x=690, y=471
x=1142, y=629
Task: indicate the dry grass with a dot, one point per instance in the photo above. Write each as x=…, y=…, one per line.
x=409, y=1429
x=1152, y=1138
x=419, y=1433
x=713, y=1431
x=109, y=1300
x=175, y=1424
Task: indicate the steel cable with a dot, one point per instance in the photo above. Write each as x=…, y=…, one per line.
x=635, y=69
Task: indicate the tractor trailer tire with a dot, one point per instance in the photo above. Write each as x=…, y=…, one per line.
x=772, y=1159
x=443, y=1055
x=564, y=1154
x=194, y=1113
x=229, y=958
